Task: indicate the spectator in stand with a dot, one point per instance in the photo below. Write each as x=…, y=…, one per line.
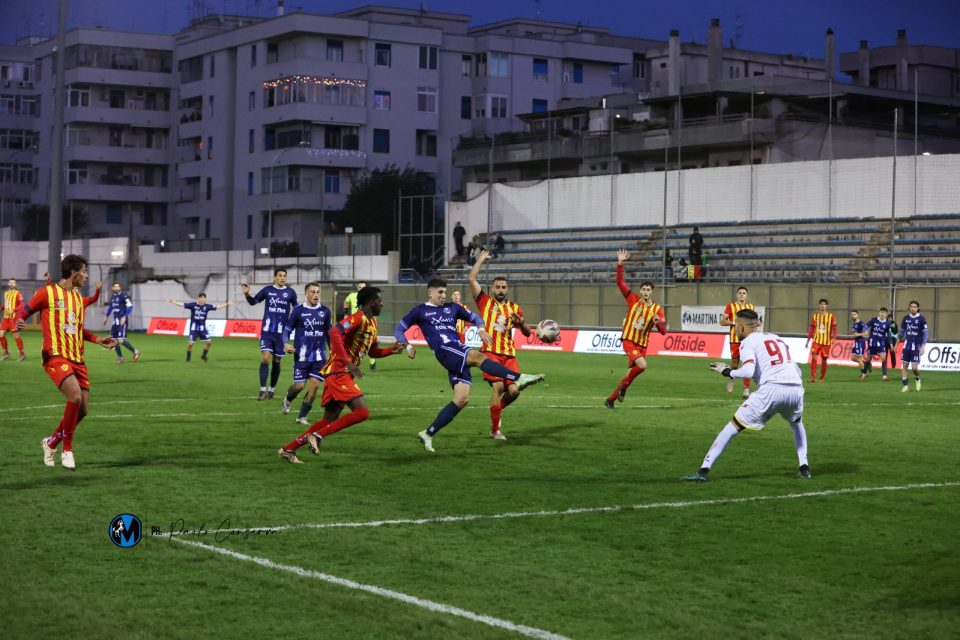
x=473, y=250
x=680, y=273
x=458, y=233
x=696, y=246
x=498, y=246
x=668, y=260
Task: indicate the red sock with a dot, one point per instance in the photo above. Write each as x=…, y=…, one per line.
x=3, y=343
x=746, y=383
x=57, y=436
x=495, y=411
x=20, y=344
x=823, y=368
x=301, y=439
x=352, y=418
x=813, y=367
x=631, y=375
x=71, y=415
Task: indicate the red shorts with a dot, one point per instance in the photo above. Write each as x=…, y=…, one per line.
x=633, y=351
x=8, y=324
x=821, y=349
x=59, y=369
x=735, y=350
x=510, y=362
x=339, y=387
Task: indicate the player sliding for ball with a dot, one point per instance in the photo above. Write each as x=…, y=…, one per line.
x=437, y=319
x=500, y=316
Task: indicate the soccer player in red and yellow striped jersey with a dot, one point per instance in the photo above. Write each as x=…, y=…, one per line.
x=823, y=331
x=350, y=339
x=61, y=309
x=643, y=314
x=728, y=319
x=462, y=325
x=500, y=315
x=10, y=304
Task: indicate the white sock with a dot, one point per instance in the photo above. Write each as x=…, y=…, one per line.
x=800, y=439
x=726, y=435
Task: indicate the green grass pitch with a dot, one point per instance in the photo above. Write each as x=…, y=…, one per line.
x=622, y=548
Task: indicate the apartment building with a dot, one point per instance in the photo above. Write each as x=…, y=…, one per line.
x=19, y=108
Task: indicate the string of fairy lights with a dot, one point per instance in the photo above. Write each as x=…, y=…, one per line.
x=325, y=81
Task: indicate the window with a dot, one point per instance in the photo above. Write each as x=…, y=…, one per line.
x=315, y=90
x=335, y=50
x=427, y=99
x=249, y=193
x=273, y=52
x=466, y=65
x=382, y=54
x=250, y=226
x=428, y=57
x=539, y=105
x=213, y=66
x=191, y=69
x=77, y=174
x=264, y=225
x=114, y=213
x=148, y=214
x=252, y=101
x=209, y=188
x=78, y=98
x=639, y=66
x=210, y=104
x=498, y=106
x=578, y=73
x=614, y=75
x=381, y=141
x=206, y=228
x=331, y=181
x=426, y=143
x=540, y=69
x=253, y=55
x=209, y=147
x=337, y=137
x=499, y=65
x=481, y=64
x=465, y=107
x=250, y=146
x=381, y=100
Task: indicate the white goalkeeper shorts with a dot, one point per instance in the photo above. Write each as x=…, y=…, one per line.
x=769, y=400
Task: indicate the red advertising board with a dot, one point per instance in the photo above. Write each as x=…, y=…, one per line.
x=242, y=329
x=167, y=326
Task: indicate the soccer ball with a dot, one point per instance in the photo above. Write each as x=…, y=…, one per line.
x=548, y=331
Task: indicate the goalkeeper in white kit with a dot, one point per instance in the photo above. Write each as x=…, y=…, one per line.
x=765, y=357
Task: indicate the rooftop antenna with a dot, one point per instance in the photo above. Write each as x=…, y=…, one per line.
x=737, y=30
x=537, y=2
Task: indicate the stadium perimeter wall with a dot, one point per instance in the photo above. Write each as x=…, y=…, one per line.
x=784, y=191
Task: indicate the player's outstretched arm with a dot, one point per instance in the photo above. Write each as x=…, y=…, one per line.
x=245, y=288
x=176, y=302
x=475, y=288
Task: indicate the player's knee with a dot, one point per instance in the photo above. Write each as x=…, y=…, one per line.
x=362, y=413
x=461, y=402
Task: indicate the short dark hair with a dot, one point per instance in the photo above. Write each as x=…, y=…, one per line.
x=744, y=288
x=884, y=309
x=436, y=283
x=916, y=302
x=71, y=263
x=857, y=312
x=201, y=295
x=367, y=294
x=748, y=314
x=313, y=283
x=647, y=283
x=504, y=278
x=823, y=300
x=278, y=270
x=116, y=282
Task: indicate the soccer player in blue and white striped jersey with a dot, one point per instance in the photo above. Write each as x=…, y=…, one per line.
x=280, y=301
x=310, y=324
x=913, y=333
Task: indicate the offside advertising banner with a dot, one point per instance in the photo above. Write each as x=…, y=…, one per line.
x=706, y=319
x=216, y=327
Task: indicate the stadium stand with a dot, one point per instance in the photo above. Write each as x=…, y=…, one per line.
x=926, y=251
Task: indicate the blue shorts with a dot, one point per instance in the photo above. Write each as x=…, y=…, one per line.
x=859, y=348
x=203, y=335
x=878, y=350
x=272, y=342
x=453, y=358
x=119, y=331
x=303, y=370
x=910, y=356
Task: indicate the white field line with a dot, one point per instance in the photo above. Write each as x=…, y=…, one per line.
x=430, y=605
x=581, y=510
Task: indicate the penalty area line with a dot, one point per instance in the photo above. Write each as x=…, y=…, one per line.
x=582, y=510
x=430, y=605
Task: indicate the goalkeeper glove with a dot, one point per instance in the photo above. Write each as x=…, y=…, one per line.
x=721, y=368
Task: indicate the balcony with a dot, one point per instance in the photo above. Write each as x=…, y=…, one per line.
x=322, y=113
x=340, y=158
x=189, y=169
x=126, y=154
x=113, y=192
x=119, y=77
x=130, y=117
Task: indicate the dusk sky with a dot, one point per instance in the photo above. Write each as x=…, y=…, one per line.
x=774, y=26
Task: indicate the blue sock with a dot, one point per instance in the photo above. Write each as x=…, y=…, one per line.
x=883, y=367
x=264, y=370
x=189, y=353
x=498, y=370
x=119, y=353
x=204, y=354
x=129, y=346
x=446, y=415
x=305, y=408
x=274, y=374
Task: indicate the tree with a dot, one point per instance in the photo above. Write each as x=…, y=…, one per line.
x=371, y=205
x=35, y=221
